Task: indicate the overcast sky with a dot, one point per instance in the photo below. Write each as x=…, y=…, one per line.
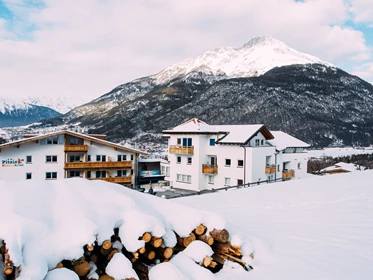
x=84, y=48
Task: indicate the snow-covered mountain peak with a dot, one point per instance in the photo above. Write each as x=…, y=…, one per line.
x=262, y=41
x=254, y=58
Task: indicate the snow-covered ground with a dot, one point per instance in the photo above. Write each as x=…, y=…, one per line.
x=339, y=152
x=314, y=228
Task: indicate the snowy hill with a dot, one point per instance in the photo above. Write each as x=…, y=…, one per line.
x=254, y=58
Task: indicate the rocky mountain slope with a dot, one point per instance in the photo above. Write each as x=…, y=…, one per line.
x=265, y=81
x=17, y=113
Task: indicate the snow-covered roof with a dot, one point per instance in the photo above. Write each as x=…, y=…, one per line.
x=241, y=134
x=76, y=134
x=233, y=134
x=340, y=166
x=283, y=140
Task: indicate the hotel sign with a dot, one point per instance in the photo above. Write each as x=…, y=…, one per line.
x=12, y=162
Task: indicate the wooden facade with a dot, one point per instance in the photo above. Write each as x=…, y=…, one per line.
x=270, y=169
x=98, y=165
x=209, y=169
x=76, y=148
x=288, y=174
x=181, y=150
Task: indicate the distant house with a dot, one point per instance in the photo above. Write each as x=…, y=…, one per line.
x=203, y=156
x=67, y=154
x=341, y=167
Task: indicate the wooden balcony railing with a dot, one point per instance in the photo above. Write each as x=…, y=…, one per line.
x=181, y=150
x=98, y=164
x=76, y=148
x=288, y=174
x=270, y=169
x=209, y=169
x=119, y=180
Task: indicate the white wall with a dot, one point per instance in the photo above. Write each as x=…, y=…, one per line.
x=38, y=167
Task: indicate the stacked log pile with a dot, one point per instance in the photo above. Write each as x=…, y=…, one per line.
x=92, y=264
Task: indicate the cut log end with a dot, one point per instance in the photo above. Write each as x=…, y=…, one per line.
x=206, y=261
x=156, y=242
x=199, y=230
x=90, y=247
x=8, y=270
x=168, y=252
x=142, y=250
x=82, y=269
x=146, y=237
x=59, y=265
x=107, y=244
x=105, y=277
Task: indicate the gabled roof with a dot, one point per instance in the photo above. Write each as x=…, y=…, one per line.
x=242, y=134
x=192, y=126
x=75, y=134
x=283, y=140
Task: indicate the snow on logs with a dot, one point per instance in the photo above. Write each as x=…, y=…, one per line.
x=137, y=237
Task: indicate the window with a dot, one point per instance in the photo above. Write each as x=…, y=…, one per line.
x=278, y=168
x=298, y=165
x=211, y=179
x=74, y=173
x=100, y=174
x=189, y=160
x=122, y=157
x=163, y=170
x=167, y=171
x=184, y=178
x=121, y=173
x=212, y=142
x=51, y=175
x=178, y=141
x=187, y=142
x=89, y=174
x=52, y=140
x=74, y=141
x=131, y=157
x=89, y=158
x=227, y=181
x=51, y=158
x=256, y=142
x=29, y=159
x=240, y=163
x=227, y=162
x=28, y=176
x=74, y=158
x=239, y=182
x=178, y=159
x=101, y=158
x=262, y=142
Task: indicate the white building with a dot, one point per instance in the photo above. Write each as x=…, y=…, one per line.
x=203, y=156
x=67, y=154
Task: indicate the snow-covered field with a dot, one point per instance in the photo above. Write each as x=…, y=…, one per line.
x=314, y=228
x=339, y=152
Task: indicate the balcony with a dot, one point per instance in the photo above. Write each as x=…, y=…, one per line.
x=270, y=169
x=288, y=174
x=98, y=165
x=209, y=169
x=76, y=148
x=118, y=180
x=181, y=150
